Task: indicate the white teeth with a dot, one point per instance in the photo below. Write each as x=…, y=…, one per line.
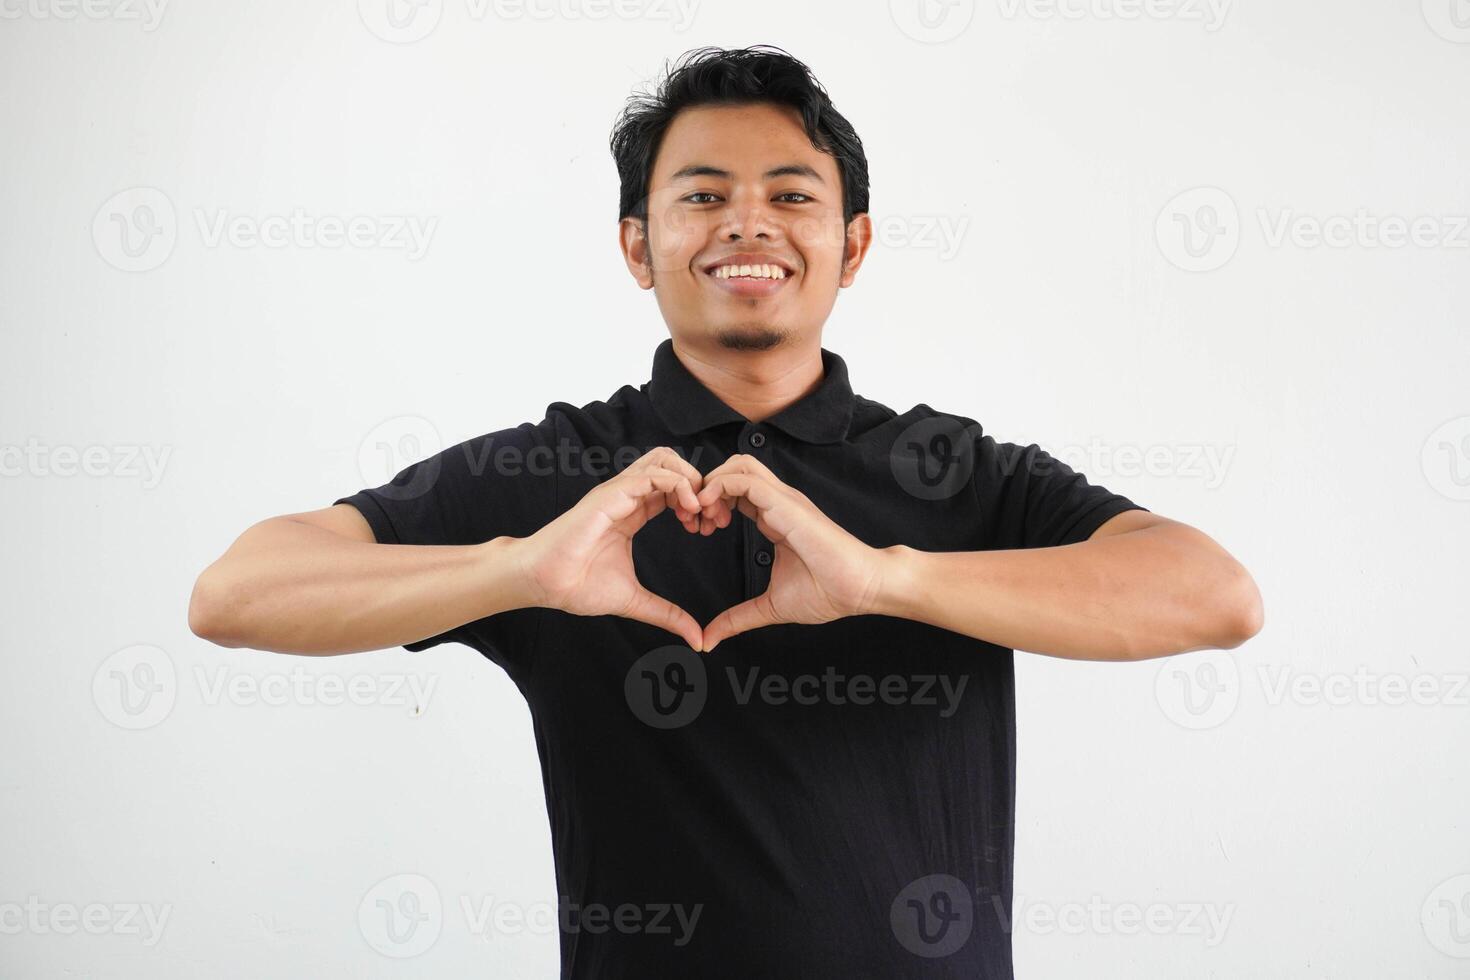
x=763, y=271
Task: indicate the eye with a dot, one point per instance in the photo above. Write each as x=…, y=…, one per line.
x=690, y=197
x=804, y=198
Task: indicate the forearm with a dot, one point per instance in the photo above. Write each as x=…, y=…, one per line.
x=290, y=587
x=1145, y=593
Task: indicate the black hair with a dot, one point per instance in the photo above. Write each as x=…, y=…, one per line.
x=739, y=76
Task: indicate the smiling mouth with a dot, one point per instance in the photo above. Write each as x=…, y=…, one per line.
x=765, y=271
x=748, y=282
x=749, y=276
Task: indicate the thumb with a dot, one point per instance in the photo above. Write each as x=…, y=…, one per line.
x=658, y=611
x=748, y=615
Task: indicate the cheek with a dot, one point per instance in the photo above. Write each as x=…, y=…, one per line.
x=675, y=237
x=820, y=240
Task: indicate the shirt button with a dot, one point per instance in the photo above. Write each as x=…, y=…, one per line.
x=762, y=557
x=757, y=439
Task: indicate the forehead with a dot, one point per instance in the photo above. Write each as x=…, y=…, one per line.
x=746, y=140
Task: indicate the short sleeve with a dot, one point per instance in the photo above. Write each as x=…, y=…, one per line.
x=1030, y=499
x=499, y=483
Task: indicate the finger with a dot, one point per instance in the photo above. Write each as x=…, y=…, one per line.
x=745, y=463
x=748, y=615
x=653, y=505
x=658, y=611
x=665, y=458
x=738, y=463
x=685, y=494
x=729, y=487
x=634, y=493
x=686, y=504
x=662, y=457
x=664, y=492
x=715, y=509
x=676, y=489
x=713, y=517
x=679, y=487
x=722, y=512
x=774, y=509
x=655, y=502
x=717, y=512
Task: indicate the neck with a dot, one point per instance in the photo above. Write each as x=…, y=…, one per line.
x=757, y=384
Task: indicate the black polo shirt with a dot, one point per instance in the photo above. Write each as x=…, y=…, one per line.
x=807, y=801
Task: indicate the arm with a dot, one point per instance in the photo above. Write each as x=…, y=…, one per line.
x=1141, y=586
x=318, y=583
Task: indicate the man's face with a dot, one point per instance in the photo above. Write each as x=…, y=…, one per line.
x=736, y=186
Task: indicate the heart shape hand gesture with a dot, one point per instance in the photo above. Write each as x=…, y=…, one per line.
x=820, y=572
x=582, y=562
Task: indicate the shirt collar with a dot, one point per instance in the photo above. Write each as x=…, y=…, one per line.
x=687, y=406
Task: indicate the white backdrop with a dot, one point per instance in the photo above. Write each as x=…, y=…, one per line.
x=1213, y=253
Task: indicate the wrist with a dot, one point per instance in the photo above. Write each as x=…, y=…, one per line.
x=505, y=569
x=899, y=584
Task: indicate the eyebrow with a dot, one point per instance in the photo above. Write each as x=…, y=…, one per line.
x=705, y=170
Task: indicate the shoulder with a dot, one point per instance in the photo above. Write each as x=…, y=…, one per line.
x=601, y=422
x=922, y=423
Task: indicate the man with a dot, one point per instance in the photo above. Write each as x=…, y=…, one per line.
x=827, y=788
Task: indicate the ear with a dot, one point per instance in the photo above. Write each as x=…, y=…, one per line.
x=859, y=237
x=634, y=242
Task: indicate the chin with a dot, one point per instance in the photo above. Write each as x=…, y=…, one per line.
x=750, y=336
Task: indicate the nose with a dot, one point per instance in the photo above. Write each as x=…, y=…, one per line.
x=751, y=219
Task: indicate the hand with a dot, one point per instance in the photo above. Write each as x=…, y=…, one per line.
x=820, y=572
x=582, y=562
